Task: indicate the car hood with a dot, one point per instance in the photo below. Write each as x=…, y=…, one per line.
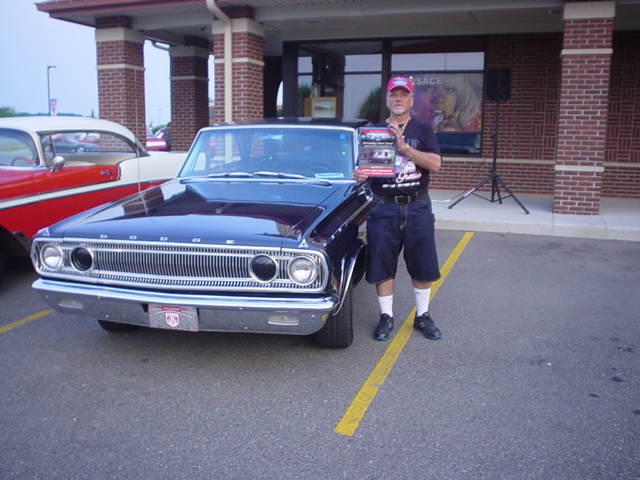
x=218, y=212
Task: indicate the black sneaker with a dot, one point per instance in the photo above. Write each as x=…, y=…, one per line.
x=383, y=330
x=426, y=326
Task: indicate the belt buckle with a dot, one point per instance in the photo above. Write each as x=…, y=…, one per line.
x=401, y=199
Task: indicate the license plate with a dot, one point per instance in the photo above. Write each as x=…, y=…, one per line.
x=173, y=318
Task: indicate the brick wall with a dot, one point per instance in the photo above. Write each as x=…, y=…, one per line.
x=583, y=114
x=247, y=76
x=121, y=88
x=463, y=175
x=528, y=120
x=189, y=99
x=622, y=179
x=527, y=133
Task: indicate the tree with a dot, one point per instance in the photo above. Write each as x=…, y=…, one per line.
x=370, y=107
x=7, y=112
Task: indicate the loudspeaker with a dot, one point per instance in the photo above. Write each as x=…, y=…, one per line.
x=498, y=83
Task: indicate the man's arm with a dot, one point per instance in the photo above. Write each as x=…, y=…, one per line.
x=428, y=160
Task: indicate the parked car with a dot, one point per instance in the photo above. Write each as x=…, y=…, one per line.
x=262, y=231
x=46, y=174
x=66, y=143
x=156, y=142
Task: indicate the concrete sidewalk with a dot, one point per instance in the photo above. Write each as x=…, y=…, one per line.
x=619, y=219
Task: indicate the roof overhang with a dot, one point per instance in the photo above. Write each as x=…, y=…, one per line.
x=171, y=21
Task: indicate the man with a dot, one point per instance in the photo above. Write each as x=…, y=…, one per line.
x=401, y=214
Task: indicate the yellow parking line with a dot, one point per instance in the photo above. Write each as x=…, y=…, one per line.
x=354, y=414
x=28, y=319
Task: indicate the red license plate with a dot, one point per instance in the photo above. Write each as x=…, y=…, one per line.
x=173, y=318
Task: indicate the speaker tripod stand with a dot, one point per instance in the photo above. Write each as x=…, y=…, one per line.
x=493, y=177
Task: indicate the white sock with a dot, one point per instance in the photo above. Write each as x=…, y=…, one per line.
x=386, y=305
x=423, y=296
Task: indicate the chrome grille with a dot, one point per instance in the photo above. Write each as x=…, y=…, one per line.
x=178, y=266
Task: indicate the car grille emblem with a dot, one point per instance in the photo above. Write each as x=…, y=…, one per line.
x=172, y=319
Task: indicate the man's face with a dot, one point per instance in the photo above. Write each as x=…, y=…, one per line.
x=399, y=101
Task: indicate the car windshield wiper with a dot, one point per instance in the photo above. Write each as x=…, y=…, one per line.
x=279, y=175
x=261, y=174
x=201, y=178
x=230, y=174
x=292, y=176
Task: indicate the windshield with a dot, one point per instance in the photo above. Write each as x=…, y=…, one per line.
x=17, y=148
x=84, y=145
x=320, y=153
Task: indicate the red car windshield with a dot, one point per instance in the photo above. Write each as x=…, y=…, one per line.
x=16, y=148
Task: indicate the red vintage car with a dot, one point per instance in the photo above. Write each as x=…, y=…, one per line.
x=156, y=142
x=43, y=180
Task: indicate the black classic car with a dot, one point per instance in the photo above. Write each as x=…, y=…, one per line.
x=261, y=231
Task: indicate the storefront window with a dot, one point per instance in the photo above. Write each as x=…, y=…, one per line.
x=305, y=83
x=437, y=62
x=330, y=73
x=448, y=96
x=363, y=63
x=362, y=96
x=350, y=75
x=305, y=65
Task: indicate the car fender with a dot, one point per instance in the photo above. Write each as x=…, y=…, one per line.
x=353, y=264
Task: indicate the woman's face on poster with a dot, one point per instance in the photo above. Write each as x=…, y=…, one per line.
x=449, y=102
x=437, y=99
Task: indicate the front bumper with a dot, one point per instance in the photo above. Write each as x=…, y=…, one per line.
x=287, y=315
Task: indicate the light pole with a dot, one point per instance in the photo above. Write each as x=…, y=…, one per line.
x=49, y=67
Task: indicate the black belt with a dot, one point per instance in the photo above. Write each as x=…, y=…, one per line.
x=403, y=199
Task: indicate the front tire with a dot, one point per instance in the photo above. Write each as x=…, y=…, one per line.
x=338, y=330
x=116, y=327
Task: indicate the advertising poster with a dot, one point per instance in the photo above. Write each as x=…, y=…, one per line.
x=449, y=102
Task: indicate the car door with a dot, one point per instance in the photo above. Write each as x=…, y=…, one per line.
x=37, y=192
x=87, y=176
x=19, y=195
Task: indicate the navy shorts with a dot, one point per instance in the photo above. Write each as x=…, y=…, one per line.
x=392, y=227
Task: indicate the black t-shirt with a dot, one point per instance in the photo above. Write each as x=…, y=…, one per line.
x=412, y=178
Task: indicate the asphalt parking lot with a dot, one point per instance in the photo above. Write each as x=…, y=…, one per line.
x=537, y=377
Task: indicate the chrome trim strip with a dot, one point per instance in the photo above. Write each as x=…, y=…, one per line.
x=102, y=293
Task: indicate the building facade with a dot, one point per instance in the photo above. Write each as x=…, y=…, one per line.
x=547, y=89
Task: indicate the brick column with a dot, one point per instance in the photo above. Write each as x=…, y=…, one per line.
x=189, y=94
x=248, y=65
x=120, y=59
x=586, y=64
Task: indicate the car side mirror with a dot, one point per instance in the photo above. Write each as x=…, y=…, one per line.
x=58, y=163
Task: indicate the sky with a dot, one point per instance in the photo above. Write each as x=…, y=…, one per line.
x=31, y=41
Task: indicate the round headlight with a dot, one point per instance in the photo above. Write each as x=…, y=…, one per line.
x=263, y=268
x=51, y=257
x=82, y=259
x=303, y=270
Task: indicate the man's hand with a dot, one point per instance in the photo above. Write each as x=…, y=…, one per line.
x=359, y=176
